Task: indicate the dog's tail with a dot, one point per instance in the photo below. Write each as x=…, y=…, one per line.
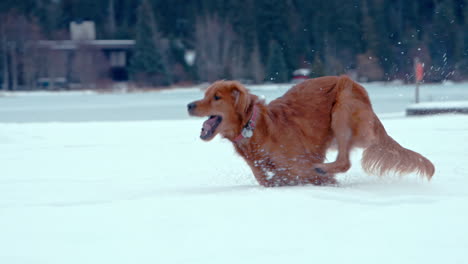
x=386, y=155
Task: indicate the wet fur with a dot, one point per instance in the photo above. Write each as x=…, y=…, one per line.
x=294, y=132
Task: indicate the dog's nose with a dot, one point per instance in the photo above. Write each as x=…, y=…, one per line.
x=191, y=106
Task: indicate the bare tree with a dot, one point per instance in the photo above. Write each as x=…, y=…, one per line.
x=4, y=58
x=369, y=68
x=255, y=65
x=19, y=36
x=217, y=47
x=29, y=55
x=235, y=64
x=12, y=52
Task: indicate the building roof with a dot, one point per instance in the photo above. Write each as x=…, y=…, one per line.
x=101, y=44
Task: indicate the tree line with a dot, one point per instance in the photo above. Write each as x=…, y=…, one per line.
x=250, y=40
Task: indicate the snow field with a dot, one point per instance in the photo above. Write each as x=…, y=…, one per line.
x=153, y=192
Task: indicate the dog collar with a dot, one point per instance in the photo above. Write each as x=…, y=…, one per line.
x=247, y=131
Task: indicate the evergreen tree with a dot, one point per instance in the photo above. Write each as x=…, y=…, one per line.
x=255, y=66
x=346, y=32
x=375, y=35
x=277, y=70
x=111, y=23
x=242, y=16
x=147, y=65
x=463, y=60
x=442, y=39
x=272, y=24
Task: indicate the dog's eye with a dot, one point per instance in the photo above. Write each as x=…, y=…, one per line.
x=216, y=98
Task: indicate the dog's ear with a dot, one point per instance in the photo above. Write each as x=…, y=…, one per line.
x=241, y=97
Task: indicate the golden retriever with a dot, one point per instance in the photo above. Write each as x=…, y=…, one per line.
x=285, y=142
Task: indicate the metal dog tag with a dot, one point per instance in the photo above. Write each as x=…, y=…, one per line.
x=247, y=133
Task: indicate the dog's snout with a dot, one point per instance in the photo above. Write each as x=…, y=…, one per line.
x=191, y=106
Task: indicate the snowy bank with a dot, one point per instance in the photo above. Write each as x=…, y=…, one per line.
x=431, y=108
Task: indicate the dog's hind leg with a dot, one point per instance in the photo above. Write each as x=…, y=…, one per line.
x=345, y=115
x=341, y=126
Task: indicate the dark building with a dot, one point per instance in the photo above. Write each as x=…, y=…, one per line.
x=84, y=61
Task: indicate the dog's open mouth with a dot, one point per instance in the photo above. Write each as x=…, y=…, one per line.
x=209, y=127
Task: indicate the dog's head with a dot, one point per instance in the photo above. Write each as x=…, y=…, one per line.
x=225, y=104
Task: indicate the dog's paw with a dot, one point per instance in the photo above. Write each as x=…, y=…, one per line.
x=320, y=171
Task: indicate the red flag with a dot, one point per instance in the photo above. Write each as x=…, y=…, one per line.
x=419, y=71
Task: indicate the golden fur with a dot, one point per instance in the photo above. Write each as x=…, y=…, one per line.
x=293, y=132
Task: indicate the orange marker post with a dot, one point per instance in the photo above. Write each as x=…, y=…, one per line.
x=419, y=74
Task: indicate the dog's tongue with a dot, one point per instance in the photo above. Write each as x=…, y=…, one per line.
x=208, y=125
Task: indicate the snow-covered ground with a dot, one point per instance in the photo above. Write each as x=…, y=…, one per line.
x=150, y=191
x=171, y=104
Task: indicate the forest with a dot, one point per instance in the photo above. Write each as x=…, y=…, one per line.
x=249, y=40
